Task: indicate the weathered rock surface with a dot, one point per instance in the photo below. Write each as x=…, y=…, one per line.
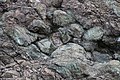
x=60, y=39
x=69, y=57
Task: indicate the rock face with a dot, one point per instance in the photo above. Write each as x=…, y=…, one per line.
x=70, y=56
x=60, y=39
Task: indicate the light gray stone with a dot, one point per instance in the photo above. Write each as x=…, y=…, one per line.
x=94, y=33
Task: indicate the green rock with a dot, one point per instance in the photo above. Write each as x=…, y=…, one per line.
x=21, y=35
x=46, y=46
x=33, y=53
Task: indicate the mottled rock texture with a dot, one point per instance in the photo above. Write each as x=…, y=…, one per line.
x=60, y=39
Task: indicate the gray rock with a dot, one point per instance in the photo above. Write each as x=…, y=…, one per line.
x=50, y=12
x=89, y=45
x=94, y=33
x=21, y=35
x=113, y=4
x=42, y=9
x=88, y=55
x=38, y=26
x=1, y=31
x=55, y=38
x=60, y=37
x=109, y=40
x=117, y=56
x=100, y=57
x=81, y=1
x=64, y=35
x=71, y=68
x=76, y=30
x=20, y=16
x=3, y=0
x=57, y=3
x=46, y=46
x=1, y=24
x=32, y=52
x=61, y=18
x=62, y=71
x=77, y=40
x=6, y=15
x=107, y=70
x=70, y=58
x=1, y=28
x=115, y=67
x=71, y=50
x=115, y=25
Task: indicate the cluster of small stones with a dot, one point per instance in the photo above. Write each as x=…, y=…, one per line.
x=60, y=39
